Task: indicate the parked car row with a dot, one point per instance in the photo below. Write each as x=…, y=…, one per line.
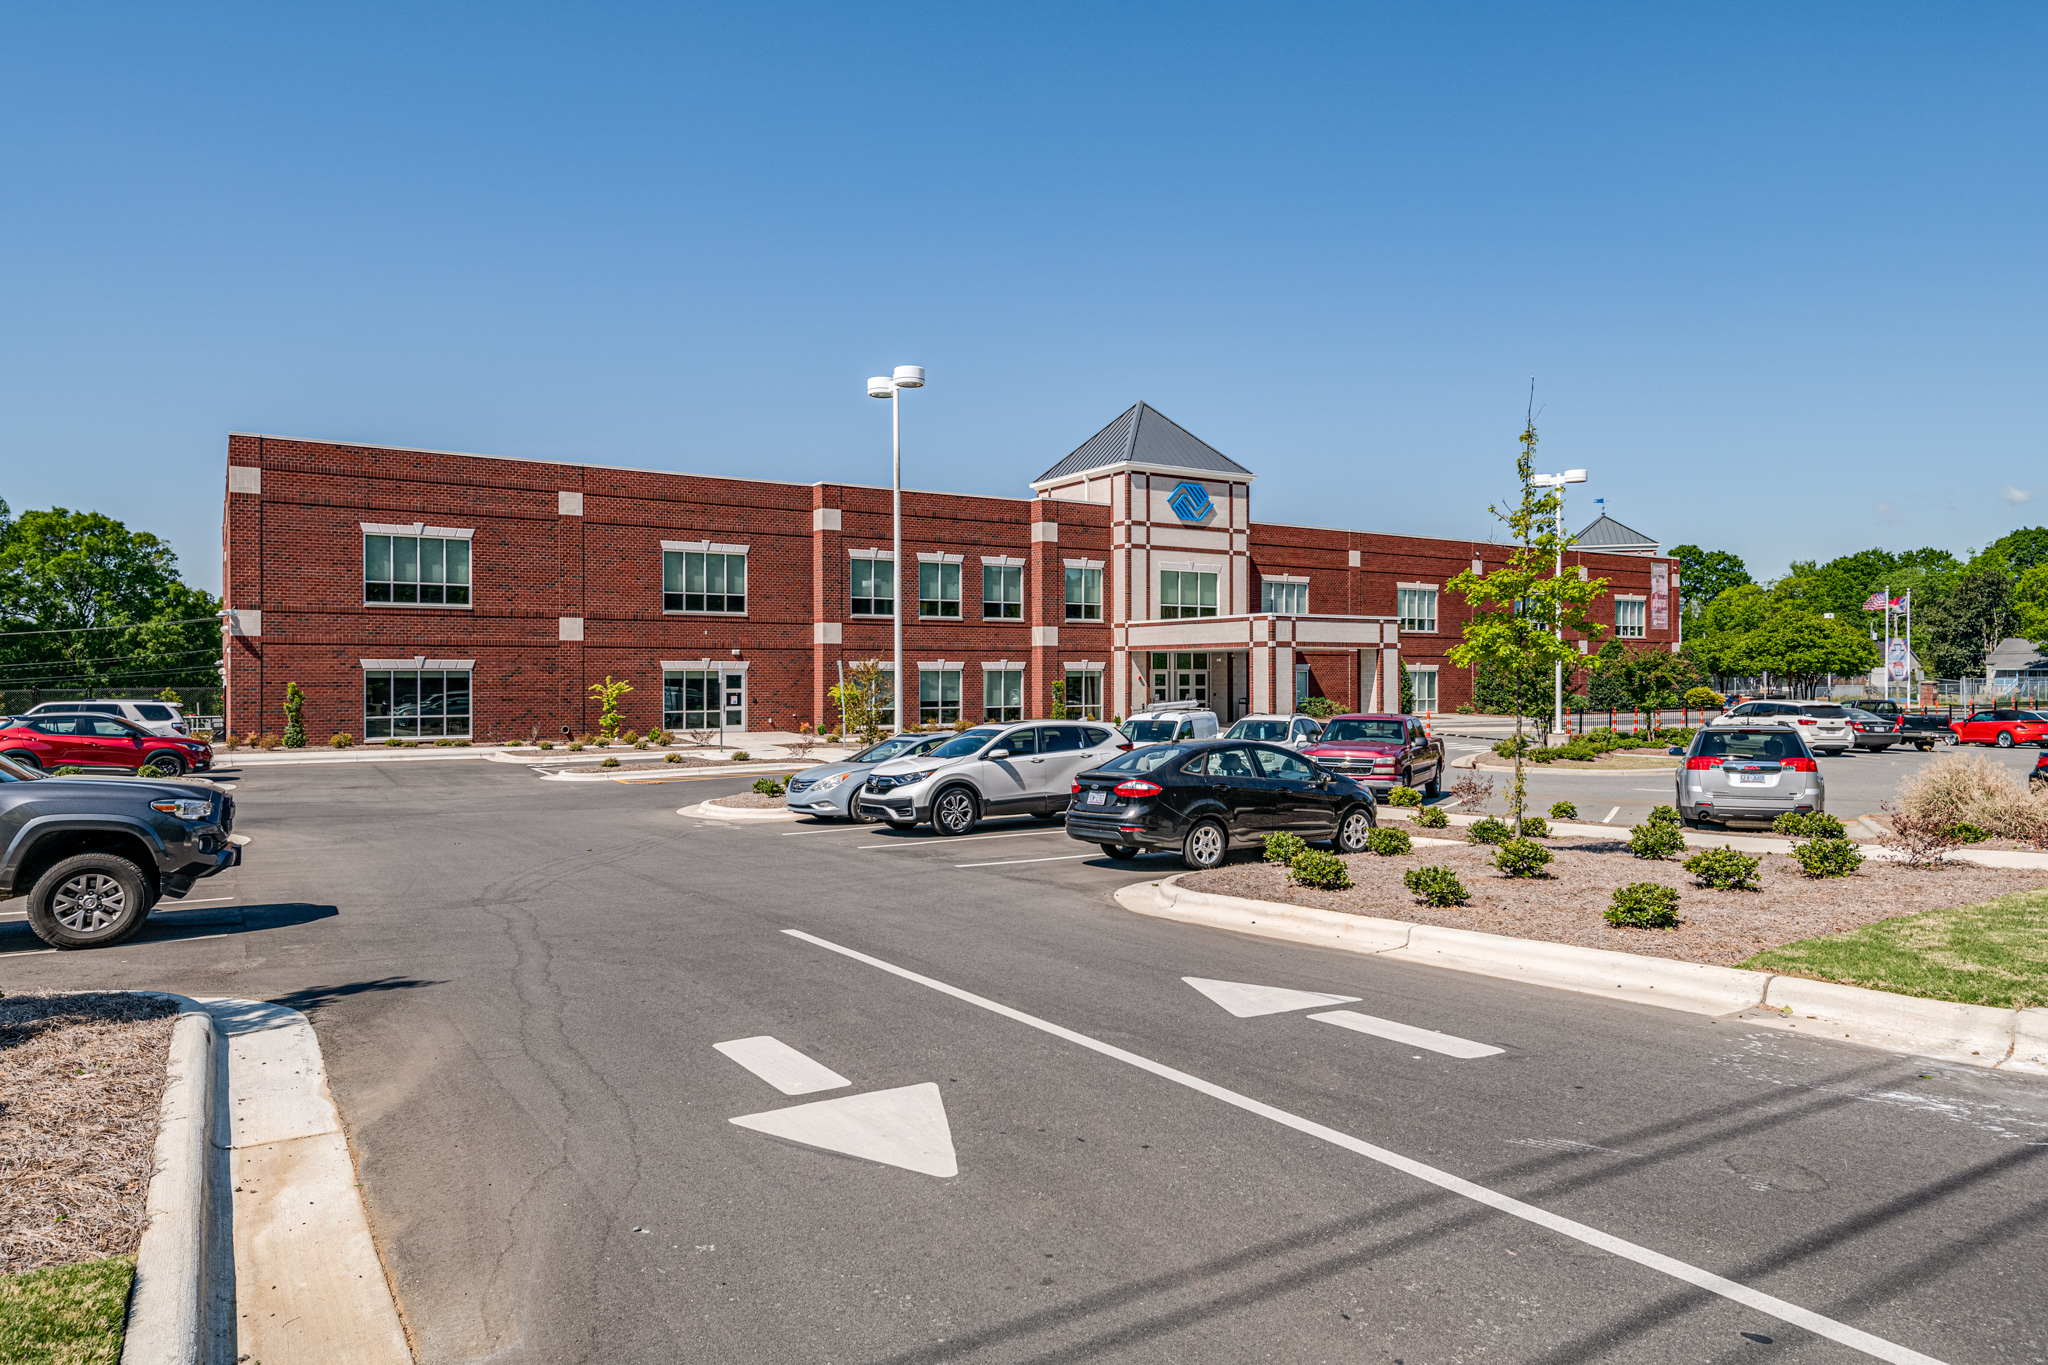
x=1835, y=728
x=98, y=743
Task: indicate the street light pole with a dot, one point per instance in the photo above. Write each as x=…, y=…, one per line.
x=891, y=387
x=1558, y=481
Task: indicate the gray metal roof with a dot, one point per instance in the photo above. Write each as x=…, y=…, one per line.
x=1143, y=436
x=1609, y=536
x=2016, y=654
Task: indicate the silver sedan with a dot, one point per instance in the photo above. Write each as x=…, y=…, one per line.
x=827, y=791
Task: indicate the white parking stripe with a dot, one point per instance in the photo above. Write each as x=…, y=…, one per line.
x=1610, y=816
x=781, y=1065
x=1784, y=1311
x=1012, y=862
x=1407, y=1033
x=962, y=839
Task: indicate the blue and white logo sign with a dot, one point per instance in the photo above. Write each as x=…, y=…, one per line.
x=1190, y=502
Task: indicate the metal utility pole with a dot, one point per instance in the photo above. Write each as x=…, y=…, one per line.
x=891, y=387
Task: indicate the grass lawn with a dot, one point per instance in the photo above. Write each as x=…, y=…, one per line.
x=66, y=1314
x=1993, y=954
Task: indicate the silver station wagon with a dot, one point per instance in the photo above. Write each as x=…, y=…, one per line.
x=1747, y=774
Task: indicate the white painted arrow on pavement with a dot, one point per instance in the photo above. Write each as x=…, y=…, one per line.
x=905, y=1127
x=1246, y=1001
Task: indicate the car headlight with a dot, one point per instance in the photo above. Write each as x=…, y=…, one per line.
x=184, y=810
x=825, y=784
x=912, y=779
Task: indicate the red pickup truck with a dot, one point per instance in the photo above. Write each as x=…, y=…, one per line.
x=1381, y=751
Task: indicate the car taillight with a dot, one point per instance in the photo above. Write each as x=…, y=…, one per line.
x=1137, y=787
x=1077, y=788
x=1808, y=720
x=1127, y=746
x=1802, y=765
x=1698, y=763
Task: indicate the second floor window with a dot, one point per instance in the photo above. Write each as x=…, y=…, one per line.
x=1186, y=594
x=1628, y=618
x=1084, y=594
x=874, y=587
x=938, y=590
x=1287, y=599
x=420, y=569
x=1002, y=593
x=1418, y=609
x=694, y=581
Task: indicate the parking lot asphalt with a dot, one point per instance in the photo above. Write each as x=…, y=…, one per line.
x=1065, y=1151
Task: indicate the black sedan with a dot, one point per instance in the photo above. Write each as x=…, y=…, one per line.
x=1871, y=730
x=1200, y=799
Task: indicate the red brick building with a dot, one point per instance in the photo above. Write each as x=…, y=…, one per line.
x=424, y=593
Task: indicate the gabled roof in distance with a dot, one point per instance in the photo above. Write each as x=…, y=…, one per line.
x=1610, y=537
x=1144, y=438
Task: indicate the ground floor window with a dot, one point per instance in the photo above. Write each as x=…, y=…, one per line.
x=1084, y=695
x=1002, y=694
x=1301, y=684
x=938, y=696
x=692, y=699
x=415, y=704
x=1180, y=677
x=1422, y=683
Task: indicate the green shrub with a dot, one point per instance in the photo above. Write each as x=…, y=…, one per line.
x=1488, y=831
x=294, y=716
x=575, y=748
x=1828, y=857
x=1643, y=905
x=1664, y=815
x=1724, y=869
x=1404, y=796
x=444, y=743
x=629, y=737
x=740, y=755
x=610, y=761
x=1967, y=833
x=344, y=740
x=1388, y=842
x=394, y=743
x=1703, y=698
x=639, y=743
x=1437, y=886
x=1655, y=839
x=767, y=786
x=1535, y=827
x=1522, y=858
x=1312, y=867
x=1564, y=810
x=1429, y=817
x=69, y=771
x=671, y=758
x=547, y=744
x=1284, y=848
x=267, y=742
x=1818, y=825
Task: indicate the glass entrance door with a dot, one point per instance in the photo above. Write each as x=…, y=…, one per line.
x=1180, y=677
x=692, y=699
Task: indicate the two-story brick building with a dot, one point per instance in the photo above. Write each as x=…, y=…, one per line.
x=417, y=593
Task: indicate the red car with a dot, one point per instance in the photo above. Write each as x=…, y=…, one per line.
x=2003, y=728
x=102, y=743
x=1381, y=752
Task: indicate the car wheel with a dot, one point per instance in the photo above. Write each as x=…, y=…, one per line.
x=1204, y=847
x=164, y=765
x=955, y=812
x=1953, y=739
x=1123, y=853
x=1436, y=784
x=93, y=900
x=2005, y=739
x=1353, y=830
x=26, y=760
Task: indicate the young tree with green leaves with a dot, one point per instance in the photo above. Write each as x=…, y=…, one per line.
x=862, y=698
x=1522, y=609
x=1704, y=575
x=608, y=693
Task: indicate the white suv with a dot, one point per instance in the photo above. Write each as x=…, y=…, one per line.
x=1297, y=731
x=157, y=717
x=1824, y=725
x=1168, y=721
x=989, y=770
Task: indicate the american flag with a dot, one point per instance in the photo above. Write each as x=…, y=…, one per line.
x=1876, y=602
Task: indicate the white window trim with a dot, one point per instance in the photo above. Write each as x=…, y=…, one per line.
x=706, y=665
x=1002, y=665
x=1215, y=566
x=1421, y=587
x=941, y=665
x=998, y=562
x=420, y=661
x=1629, y=597
x=417, y=528
x=939, y=557
x=1082, y=564
x=703, y=547
x=889, y=555
x=1282, y=578
x=1085, y=666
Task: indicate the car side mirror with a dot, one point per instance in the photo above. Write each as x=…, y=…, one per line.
x=998, y=753
x=1676, y=752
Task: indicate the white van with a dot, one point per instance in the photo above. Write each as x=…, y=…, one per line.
x=1166, y=721
x=157, y=717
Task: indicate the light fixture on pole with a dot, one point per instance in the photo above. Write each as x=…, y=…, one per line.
x=1558, y=481
x=891, y=387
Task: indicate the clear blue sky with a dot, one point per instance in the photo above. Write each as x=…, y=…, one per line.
x=1778, y=269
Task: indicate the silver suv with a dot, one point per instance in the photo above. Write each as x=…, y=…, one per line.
x=1737, y=773
x=157, y=717
x=1823, y=724
x=989, y=770
x=1296, y=732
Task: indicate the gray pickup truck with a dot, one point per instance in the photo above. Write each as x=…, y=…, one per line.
x=93, y=855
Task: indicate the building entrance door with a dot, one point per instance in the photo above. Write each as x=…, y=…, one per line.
x=1180, y=677
x=692, y=699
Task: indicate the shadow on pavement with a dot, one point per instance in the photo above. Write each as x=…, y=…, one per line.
x=310, y=999
x=168, y=925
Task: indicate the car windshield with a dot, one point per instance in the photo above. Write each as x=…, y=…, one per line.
x=898, y=746
x=1143, y=760
x=1825, y=712
x=11, y=771
x=1858, y=713
x=1258, y=729
x=1773, y=743
x=1150, y=731
x=965, y=743
x=2032, y=715
x=1362, y=731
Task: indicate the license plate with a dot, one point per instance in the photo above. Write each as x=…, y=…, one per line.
x=1759, y=781
x=1096, y=797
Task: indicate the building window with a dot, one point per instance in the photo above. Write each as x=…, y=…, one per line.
x=421, y=569
x=1628, y=618
x=1002, y=593
x=1002, y=694
x=874, y=587
x=1084, y=594
x=1180, y=677
x=1418, y=610
x=938, y=690
x=415, y=704
x=696, y=581
x=938, y=590
x=1084, y=694
x=692, y=699
x=1422, y=687
x=1186, y=594
x=1284, y=599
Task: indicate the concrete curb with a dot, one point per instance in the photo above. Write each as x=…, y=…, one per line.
x=1972, y=1035
x=167, y=1311
x=674, y=770
x=709, y=810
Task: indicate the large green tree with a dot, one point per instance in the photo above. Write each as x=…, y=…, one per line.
x=2015, y=553
x=1963, y=628
x=1704, y=575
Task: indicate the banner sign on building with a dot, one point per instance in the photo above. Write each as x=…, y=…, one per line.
x=1660, y=597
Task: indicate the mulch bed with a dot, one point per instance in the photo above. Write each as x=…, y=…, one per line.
x=1718, y=927
x=626, y=763
x=750, y=801
x=81, y=1079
